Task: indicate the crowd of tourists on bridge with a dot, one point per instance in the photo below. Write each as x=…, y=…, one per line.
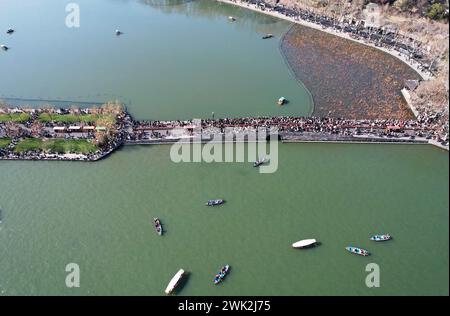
x=426, y=127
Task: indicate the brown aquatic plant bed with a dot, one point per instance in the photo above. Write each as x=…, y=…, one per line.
x=345, y=78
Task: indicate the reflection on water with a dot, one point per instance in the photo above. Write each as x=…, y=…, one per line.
x=173, y=62
x=213, y=9
x=162, y=3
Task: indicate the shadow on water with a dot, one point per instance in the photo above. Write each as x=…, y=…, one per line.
x=182, y=283
x=164, y=230
x=313, y=246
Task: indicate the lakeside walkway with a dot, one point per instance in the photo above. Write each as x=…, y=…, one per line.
x=124, y=130
x=402, y=51
x=288, y=129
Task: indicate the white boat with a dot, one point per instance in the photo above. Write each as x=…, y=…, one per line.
x=381, y=237
x=215, y=202
x=231, y=18
x=174, y=282
x=304, y=243
x=259, y=162
x=282, y=101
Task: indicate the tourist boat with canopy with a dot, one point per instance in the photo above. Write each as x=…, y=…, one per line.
x=267, y=36
x=215, y=202
x=384, y=237
x=221, y=275
x=158, y=226
x=358, y=251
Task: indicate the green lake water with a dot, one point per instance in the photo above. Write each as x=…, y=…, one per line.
x=173, y=61
x=98, y=215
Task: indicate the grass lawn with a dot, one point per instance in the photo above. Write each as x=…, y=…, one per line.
x=72, y=118
x=60, y=146
x=28, y=144
x=4, y=142
x=79, y=146
x=15, y=117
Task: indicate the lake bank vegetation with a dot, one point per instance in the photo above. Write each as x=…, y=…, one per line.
x=38, y=133
x=409, y=29
x=4, y=142
x=426, y=21
x=58, y=146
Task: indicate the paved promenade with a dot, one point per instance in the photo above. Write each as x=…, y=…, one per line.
x=30, y=135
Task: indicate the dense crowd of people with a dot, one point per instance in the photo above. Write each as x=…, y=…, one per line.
x=425, y=128
x=379, y=36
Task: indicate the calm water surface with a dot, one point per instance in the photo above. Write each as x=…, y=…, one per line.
x=99, y=214
x=173, y=61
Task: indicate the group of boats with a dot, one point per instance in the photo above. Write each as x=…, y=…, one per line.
x=267, y=36
x=307, y=243
x=302, y=244
x=365, y=252
x=2, y=46
x=178, y=277
x=220, y=276
x=157, y=222
x=158, y=225
x=174, y=282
